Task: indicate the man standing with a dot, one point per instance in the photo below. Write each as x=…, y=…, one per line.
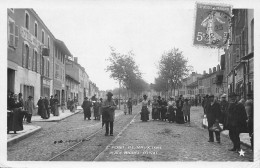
x=249, y=106
x=108, y=113
x=29, y=107
x=129, y=105
x=213, y=114
x=46, y=103
x=223, y=106
x=236, y=121
x=86, y=105
x=52, y=105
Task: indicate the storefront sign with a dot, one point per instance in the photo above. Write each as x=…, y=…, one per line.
x=212, y=25
x=29, y=37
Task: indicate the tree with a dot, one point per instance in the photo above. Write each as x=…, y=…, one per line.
x=123, y=68
x=160, y=84
x=172, y=68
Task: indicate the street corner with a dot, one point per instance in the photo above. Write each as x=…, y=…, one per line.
x=20, y=135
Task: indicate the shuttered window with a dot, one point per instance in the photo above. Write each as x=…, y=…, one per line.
x=11, y=32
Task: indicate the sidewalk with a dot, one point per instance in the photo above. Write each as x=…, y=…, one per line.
x=52, y=118
x=244, y=137
x=29, y=129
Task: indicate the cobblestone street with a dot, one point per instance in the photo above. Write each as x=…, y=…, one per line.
x=163, y=141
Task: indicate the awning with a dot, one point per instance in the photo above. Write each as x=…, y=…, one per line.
x=248, y=56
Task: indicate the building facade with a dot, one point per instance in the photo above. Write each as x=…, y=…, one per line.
x=240, y=53
x=30, y=48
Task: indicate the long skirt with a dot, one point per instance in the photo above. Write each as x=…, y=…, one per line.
x=155, y=114
x=96, y=112
x=56, y=110
x=163, y=113
x=171, y=114
x=179, y=116
x=87, y=113
x=42, y=112
x=144, y=114
x=15, y=120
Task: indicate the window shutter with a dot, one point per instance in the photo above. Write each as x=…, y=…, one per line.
x=33, y=57
x=16, y=36
x=11, y=33
x=30, y=60
x=38, y=63
x=24, y=55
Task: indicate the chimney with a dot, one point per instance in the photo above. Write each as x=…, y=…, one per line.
x=76, y=59
x=214, y=69
x=193, y=73
x=218, y=67
x=210, y=71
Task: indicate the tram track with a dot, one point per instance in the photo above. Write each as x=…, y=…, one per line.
x=59, y=156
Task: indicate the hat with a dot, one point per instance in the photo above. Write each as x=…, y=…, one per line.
x=232, y=94
x=159, y=97
x=144, y=96
x=109, y=94
x=224, y=95
x=207, y=96
x=210, y=96
x=86, y=98
x=29, y=97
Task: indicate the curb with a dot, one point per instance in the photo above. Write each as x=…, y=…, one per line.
x=78, y=111
x=21, y=137
x=241, y=142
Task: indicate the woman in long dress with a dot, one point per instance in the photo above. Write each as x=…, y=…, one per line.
x=41, y=108
x=171, y=110
x=179, y=112
x=145, y=111
x=56, y=103
x=155, y=111
x=163, y=110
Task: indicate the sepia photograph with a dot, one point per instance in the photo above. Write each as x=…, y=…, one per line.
x=129, y=82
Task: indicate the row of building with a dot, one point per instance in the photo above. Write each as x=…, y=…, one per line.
x=40, y=64
x=235, y=73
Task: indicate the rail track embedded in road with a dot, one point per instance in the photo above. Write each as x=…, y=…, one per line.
x=89, y=137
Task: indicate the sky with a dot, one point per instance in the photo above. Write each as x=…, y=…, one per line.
x=149, y=28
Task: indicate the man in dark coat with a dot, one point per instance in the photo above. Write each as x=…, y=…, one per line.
x=46, y=103
x=249, y=106
x=86, y=105
x=223, y=106
x=213, y=112
x=108, y=114
x=130, y=105
x=52, y=105
x=236, y=121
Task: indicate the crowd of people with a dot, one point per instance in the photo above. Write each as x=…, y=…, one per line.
x=236, y=115
x=172, y=110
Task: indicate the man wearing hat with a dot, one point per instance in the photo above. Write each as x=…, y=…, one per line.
x=236, y=121
x=29, y=108
x=213, y=112
x=108, y=114
x=223, y=106
x=86, y=105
